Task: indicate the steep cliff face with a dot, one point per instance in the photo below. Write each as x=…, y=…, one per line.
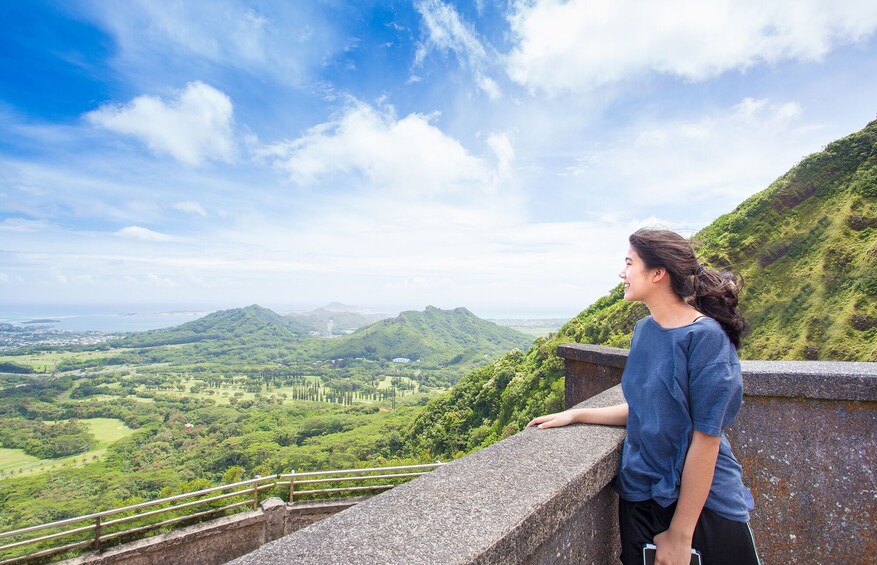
x=807, y=249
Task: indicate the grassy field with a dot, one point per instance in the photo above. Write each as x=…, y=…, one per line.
x=13, y=459
x=47, y=361
x=387, y=384
x=105, y=430
x=223, y=395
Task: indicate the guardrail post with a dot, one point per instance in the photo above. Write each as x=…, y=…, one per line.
x=292, y=487
x=255, y=496
x=97, y=533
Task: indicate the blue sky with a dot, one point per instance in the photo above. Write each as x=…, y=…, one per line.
x=493, y=155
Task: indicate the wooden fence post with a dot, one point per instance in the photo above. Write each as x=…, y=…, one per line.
x=97, y=533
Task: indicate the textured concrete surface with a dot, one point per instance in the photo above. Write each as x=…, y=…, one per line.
x=304, y=513
x=810, y=464
x=223, y=539
x=210, y=543
x=594, y=525
x=590, y=370
x=595, y=354
x=516, y=501
x=830, y=380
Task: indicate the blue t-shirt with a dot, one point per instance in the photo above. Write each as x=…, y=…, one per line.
x=678, y=380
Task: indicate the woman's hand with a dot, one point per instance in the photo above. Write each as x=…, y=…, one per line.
x=553, y=420
x=673, y=548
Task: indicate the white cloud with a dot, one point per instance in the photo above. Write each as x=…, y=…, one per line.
x=191, y=207
x=448, y=32
x=163, y=282
x=143, y=234
x=582, y=44
x=193, y=127
x=408, y=155
x=23, y=225
x=505, y=152
x=726, y=155
x=285, y=41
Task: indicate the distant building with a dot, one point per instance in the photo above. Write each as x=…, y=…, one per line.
x=401, y=360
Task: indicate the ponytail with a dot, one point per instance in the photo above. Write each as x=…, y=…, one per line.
x=715, y=294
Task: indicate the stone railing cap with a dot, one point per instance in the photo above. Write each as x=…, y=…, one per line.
x=828, y=380
x=597, y=354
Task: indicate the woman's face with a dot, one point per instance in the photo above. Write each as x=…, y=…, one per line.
x=636, y=277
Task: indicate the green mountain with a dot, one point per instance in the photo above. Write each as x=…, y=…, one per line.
x=253, y=323
x=434, y=336
x=807, y=250
x=453, y=339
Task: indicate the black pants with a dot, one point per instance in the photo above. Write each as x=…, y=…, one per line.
x=719, y=540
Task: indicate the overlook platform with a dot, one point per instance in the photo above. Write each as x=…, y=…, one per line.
x=806, y=436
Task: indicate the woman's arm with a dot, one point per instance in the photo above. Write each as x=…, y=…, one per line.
x=674, y=545
x=607, y=416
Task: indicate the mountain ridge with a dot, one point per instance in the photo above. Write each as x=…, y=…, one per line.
x=438, y=337
x=448, y=336
x=253, y=319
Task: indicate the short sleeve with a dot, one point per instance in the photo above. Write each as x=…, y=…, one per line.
x=716, y=393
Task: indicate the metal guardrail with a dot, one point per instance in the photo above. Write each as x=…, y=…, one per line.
x=338, y=477
x=95, y=533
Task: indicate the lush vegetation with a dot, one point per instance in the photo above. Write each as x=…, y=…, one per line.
x=807, y=249
x=45, y=440
x=234, y=394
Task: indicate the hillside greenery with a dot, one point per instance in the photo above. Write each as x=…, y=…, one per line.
x=807, y=250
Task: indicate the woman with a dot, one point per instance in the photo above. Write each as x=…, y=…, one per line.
x=679, y=484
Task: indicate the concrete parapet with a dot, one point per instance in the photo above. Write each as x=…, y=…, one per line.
x=828, y=380
x=595, y=369
x=209, y=543
x=537, y=497
x=303, y=514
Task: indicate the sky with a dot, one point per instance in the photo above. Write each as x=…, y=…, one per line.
x=487, y=154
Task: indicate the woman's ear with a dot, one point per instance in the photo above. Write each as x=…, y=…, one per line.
x=659, y=275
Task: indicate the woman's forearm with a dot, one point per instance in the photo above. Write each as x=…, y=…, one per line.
x=607, y=416
x=697, y=478
x=674, y=544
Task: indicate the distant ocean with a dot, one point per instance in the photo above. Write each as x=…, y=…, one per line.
x=104, y=319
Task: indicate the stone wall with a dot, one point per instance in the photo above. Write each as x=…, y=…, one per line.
x=221, y=540
x=807, y=439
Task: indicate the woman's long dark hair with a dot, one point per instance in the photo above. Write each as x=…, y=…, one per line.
x=712, y=292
